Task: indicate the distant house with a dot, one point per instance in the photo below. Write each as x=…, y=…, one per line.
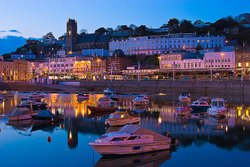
x=200, y=24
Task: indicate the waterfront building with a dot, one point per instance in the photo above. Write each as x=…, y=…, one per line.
x=219, y=60
x=17, y=70
x=67, y=67
x=75, y=42
x=159, y=44
x=242, y=64
x=98, y=68
x=116, y=64
x=181, y=61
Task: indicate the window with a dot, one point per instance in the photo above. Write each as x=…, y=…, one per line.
x=118, y=139
x=132, y=137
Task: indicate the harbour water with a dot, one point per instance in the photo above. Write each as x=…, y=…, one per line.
x=224, y=142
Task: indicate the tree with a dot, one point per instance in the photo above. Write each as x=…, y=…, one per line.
x=186, y=26
x=83, y=31
x=101, y=31
x=198, y=48
x=142, y=30
x=173, y=25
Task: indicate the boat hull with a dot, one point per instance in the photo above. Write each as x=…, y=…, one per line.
x=130, y=149
x=101, y=109
x=20, y=118
x=122, y=121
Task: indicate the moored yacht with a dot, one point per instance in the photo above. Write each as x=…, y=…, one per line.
x=184, y=97
x=131, y=139
x=121, y=118
x=199, y=107
x=105, y=101
x=140, y=100
x=83, y=96
x=217, y=108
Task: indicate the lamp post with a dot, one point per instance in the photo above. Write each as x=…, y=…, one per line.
x=211, y=72
x=173, y=71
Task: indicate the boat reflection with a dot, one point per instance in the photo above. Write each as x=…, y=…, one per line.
x=149, y=159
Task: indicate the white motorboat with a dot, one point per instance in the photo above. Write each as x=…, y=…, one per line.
x=121, y=118
x=140, y=100
x=83, y=96
x=199, y=107
x=184, y=97
x=217, y=108
x=106, y=102
x=20, y=114
x=131, y=139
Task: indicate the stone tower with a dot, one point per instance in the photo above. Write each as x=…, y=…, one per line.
x=71, y=35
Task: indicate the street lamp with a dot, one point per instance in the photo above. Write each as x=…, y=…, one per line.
x=211, y=72
x=173, y=71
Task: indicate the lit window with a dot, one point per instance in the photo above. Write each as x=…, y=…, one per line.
x=247, y=64
x=239, y=64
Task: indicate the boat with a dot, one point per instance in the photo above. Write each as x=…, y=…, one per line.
x=36, y=106
x=131, y=139
x=199, y=107
x=20, y=114
x=217, y=108
x=121, y=118
x=105, y=101
x=97, y=109
x=34, y=97
x=109, y=91
x=83, y=96
x=183, y=111
x=184, y=97
x=47, y=116
x=140, y=100
x=115, y=97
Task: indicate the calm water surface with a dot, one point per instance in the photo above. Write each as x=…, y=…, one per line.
x=223, y=142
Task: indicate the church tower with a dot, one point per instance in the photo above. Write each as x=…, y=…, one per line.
x=71, y=35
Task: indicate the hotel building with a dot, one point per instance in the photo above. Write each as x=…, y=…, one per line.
x=159, y=44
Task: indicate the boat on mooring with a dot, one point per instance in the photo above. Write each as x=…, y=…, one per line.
x=183, y=111
x=131, y=139
x=82, y=96
x=140, y=100
x=47, y=116
x=119, y=118
x=185, y=97
x=218, y=108
x=199, y=107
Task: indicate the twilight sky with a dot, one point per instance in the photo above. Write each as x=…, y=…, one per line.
x=34, y=18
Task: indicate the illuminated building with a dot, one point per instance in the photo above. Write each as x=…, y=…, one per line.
x=18, y=70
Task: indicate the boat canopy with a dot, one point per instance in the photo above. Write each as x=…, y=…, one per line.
x=136, y=130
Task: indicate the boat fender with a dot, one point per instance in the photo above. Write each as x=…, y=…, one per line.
x=49, y=139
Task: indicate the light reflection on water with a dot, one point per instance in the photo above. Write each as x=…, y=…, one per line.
x=66, y=144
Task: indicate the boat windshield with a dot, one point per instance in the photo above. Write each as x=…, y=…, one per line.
x=119, y=139
x=221, y=103
x=118, y=116
x=218, y=103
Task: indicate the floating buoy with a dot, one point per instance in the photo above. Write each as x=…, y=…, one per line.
x=70, y=141
x=49, y=139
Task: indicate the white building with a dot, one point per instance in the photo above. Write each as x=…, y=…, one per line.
x=183, y=61
x=158, y=44
x=220, y=60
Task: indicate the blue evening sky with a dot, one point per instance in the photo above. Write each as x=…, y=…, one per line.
x=34, y=18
